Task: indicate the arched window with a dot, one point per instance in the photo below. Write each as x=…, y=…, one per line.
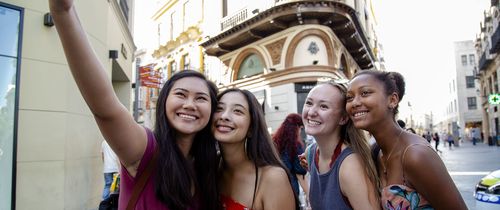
x=251, y=65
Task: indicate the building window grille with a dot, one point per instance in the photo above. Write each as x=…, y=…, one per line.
x=472, y=103
x=469, y=81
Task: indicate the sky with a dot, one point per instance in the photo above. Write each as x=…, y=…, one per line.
x=418, y=37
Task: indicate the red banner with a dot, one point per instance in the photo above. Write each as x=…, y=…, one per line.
x=149, y=77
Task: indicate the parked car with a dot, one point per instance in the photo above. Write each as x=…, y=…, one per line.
x=487, y=192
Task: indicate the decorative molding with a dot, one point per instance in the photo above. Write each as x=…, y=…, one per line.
x=309, y=32
x=275, y=50
x=193, y=33
x=313, y=48
x=241, y=56
x=226, y=64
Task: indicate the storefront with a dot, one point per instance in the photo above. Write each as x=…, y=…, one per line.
x=11, y=20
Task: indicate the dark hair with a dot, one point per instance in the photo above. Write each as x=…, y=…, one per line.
x=401, y=123
x=356, y=139
x=259, y=146
x=287, y=136
x=175, y=174
x=393, y=82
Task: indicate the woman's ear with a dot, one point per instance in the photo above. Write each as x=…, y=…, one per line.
x=393, y=100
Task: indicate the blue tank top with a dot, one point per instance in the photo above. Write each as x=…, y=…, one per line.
x=324, y=191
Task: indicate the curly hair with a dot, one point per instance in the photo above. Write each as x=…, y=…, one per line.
x=287, y=137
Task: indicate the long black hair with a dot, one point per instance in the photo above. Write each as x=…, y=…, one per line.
x=259, y=146
x=175, y=175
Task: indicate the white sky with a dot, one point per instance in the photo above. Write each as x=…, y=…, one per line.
x=418, y=38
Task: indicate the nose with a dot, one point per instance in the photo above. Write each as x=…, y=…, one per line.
x=189, y=104
x=312, y=111
x=224, y=115
x=355, y=102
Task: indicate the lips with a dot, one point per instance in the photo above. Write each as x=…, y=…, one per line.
x=359, y=114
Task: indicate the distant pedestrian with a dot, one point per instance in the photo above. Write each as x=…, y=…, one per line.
x=110, y=167
x=450, y=139
x=474, y=136
x=436, y=140
x=428, y=137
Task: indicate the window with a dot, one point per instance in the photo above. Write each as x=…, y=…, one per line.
x=471, y=103
x=11, y=19
x=472, y=60
x=455, y=105
x=124, y=6
x=464, y=60
x=250, y=66
x=495, y=82
x=173, y=68
x=186, y=62
x=469, y=81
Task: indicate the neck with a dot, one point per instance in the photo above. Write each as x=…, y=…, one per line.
x=234, y=155
x=326, y=145
x=387, y=136
x=185, y=142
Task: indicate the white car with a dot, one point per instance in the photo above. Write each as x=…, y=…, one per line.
x=487, y=192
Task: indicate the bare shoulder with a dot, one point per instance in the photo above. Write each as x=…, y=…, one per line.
x=274, y=175
x=351, y=163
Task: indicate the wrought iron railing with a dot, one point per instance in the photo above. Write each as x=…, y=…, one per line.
x=235, y=19
x=484, y=61
x=495, y=41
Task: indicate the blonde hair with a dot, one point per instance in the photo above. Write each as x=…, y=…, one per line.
x=356, y=139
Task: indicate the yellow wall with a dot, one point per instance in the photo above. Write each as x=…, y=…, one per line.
x=58, y=156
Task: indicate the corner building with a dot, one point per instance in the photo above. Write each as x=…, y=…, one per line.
x=280, y=49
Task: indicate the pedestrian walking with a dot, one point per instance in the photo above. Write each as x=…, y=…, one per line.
x=436, y=142
x=110, y=167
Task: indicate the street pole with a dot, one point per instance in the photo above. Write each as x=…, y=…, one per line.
x=137, y=87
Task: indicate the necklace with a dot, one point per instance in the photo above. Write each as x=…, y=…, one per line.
x=390, y=153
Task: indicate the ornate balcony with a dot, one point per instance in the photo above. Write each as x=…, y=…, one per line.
x=339, y=15
x=484, y=61
x=495, y=41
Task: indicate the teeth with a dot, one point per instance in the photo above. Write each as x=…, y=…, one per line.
x=185, y=116
x=359, y=114
x=224, y=128
x=311, y=122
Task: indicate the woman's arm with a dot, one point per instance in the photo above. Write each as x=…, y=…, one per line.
x=425, y=171
x=275, y=190
x=356, y=185
x=126, y=137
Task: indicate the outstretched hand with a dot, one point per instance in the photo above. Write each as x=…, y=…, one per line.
x=60, y=5
x=303, y=161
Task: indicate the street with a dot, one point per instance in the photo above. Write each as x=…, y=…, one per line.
x=467, y=164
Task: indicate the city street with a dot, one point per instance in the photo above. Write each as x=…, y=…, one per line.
x=467, y=164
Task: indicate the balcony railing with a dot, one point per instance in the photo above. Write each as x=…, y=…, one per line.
x=231, y=21
x=484, y=61
x=495, y=41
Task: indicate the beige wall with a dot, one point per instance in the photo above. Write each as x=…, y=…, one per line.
x=58, y=155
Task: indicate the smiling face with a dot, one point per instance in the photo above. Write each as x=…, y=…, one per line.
x=231, y=120
x=323, y=111
x=188, y=105
x=367, y=102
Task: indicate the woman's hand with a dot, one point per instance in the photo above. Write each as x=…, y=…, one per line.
x=303, y=161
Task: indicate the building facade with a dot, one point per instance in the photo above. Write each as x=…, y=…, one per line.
x=49, y=142
x=463, y=112
x=276, y=49
x=487, y=46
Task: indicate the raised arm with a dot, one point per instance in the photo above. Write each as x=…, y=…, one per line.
x=426, y=172
x=356, y=185
x=127, y=138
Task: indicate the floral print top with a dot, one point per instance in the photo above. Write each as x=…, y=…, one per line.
x=400, y=197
